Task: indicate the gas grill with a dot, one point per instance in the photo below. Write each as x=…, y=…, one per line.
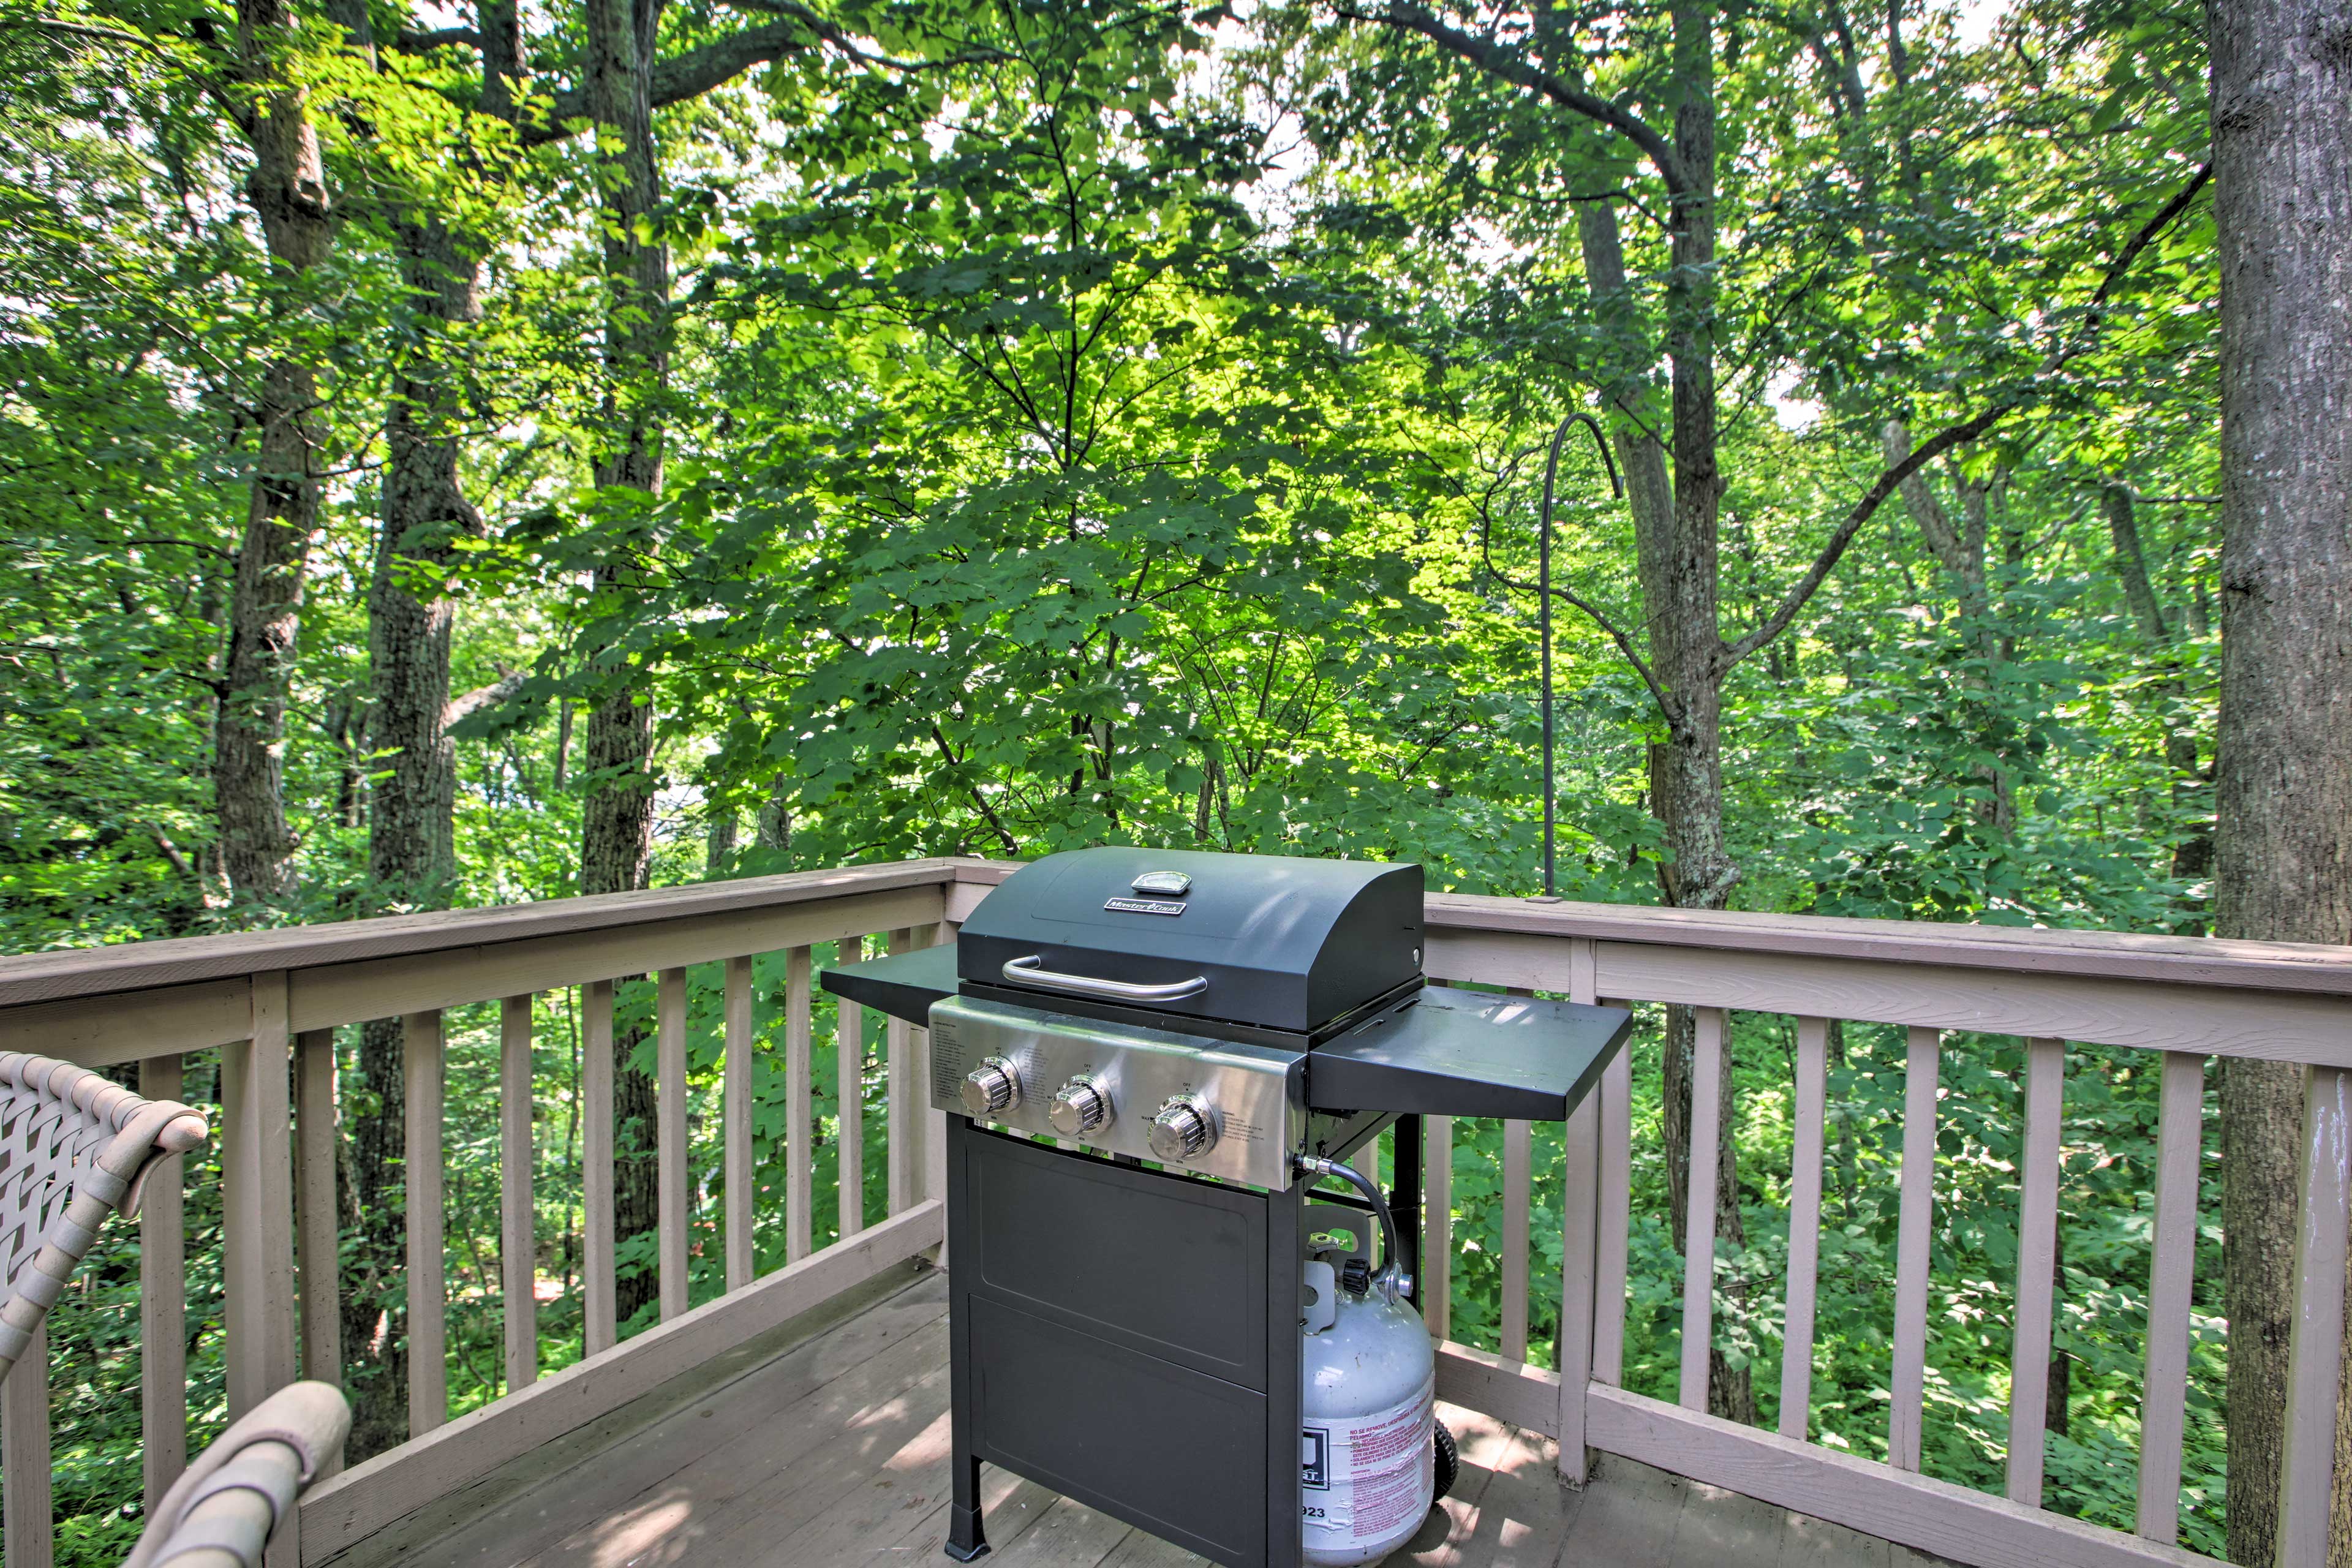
x=1149, y=1057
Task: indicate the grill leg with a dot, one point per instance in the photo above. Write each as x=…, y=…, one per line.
x=1285, y=1235
x=965, y=1539
x=1404, y=1197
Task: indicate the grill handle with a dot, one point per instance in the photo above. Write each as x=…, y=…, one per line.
x=1027, y=972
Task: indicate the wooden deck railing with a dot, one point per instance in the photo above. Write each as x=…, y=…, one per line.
x=2188, y=999
x=268, y=1004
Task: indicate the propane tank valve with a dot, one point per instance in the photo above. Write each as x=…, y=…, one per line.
x=1392, y=1281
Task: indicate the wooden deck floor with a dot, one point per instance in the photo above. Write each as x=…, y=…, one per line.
x=827, y=1447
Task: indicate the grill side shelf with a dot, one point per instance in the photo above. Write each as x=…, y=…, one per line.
x=904, y=984
x=1469, y=1053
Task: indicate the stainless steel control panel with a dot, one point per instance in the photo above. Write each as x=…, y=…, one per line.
x=1188, y=1102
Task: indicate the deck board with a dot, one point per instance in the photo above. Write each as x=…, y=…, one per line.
x=833, y=1451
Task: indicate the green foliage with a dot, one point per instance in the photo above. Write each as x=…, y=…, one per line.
x=1116, y=423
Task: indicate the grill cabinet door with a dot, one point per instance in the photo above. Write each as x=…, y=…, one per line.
x=1115, y=1341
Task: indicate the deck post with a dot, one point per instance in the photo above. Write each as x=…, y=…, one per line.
x=257, y=1200
x=163, y=1302
x=2306, y=1472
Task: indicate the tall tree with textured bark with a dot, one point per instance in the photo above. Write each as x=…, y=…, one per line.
x=616, y=824
x=1676, y=641
x=287, y=191
x=2281, y=106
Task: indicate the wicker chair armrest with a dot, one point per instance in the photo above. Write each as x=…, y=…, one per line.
x=159, y=1129
x=307, y=1421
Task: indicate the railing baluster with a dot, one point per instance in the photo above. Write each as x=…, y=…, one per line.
x=163, y=1302
x=1579, y=1212
x=257, y=1200
x=315, y=1238
x=428, y=1350
x=669, y=1139
x=1804, y=1227
x=1438, y=1224
x=517, y=1219
x=908, y=1102
x=1517, y=1190
x=2171, y=1269
x=1518, y=1193
x=1698, y=1245
x=1579, y=1253
x=800, y=1174
x=740, y=1176
x=849, y=1059
x=2314, y=1354
x=2037, y=1250
x=1908, y=1379
x=600, y=1298
x=1615, y=1217
x=26, y=1531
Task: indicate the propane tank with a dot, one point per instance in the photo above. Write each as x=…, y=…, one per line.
x=1367, y=1397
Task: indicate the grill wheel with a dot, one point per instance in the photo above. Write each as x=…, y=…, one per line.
x=1449, y=1463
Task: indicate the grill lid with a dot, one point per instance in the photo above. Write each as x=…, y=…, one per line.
x=1268, y=941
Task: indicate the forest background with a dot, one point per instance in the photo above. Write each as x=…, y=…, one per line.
x=460, y=457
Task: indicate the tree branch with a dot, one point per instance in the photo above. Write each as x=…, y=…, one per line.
x=1928, y=451
x=413, y=43
x=687, y=76
x=1497, y=61
x=1566, y=595
x=481, y=697
x=794, y=31
x=238, y=115
x=2096, y=310
x=1952, y=436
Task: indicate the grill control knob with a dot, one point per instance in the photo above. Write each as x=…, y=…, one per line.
x=1185, y=1129
x=1079, y=1107
x=991, y=1087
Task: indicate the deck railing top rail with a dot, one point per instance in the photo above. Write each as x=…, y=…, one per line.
x=142, y=965
x=2309, y=967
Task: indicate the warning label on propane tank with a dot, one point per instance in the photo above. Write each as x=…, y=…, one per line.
x=1368, y=1477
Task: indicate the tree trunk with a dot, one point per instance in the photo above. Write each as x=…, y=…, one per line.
x=2058, y=1385
x=2281, y=99
x=2131, y=565
x=616, y=826
x=374, y=1278
x=615, y=855
x=1676, y=525
x=720, y=838
x=412, y=855
x=772, y=826
x=411, y=850
x=265, y=613
x=1959, y=547
x=2192, y=858
x=287, y=191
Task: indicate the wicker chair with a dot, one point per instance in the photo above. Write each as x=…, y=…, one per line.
x=222, y=1509
x=73, y=1149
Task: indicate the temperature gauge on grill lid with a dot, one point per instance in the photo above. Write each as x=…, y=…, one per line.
x=1185, y=1129
x=1078, y=1107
